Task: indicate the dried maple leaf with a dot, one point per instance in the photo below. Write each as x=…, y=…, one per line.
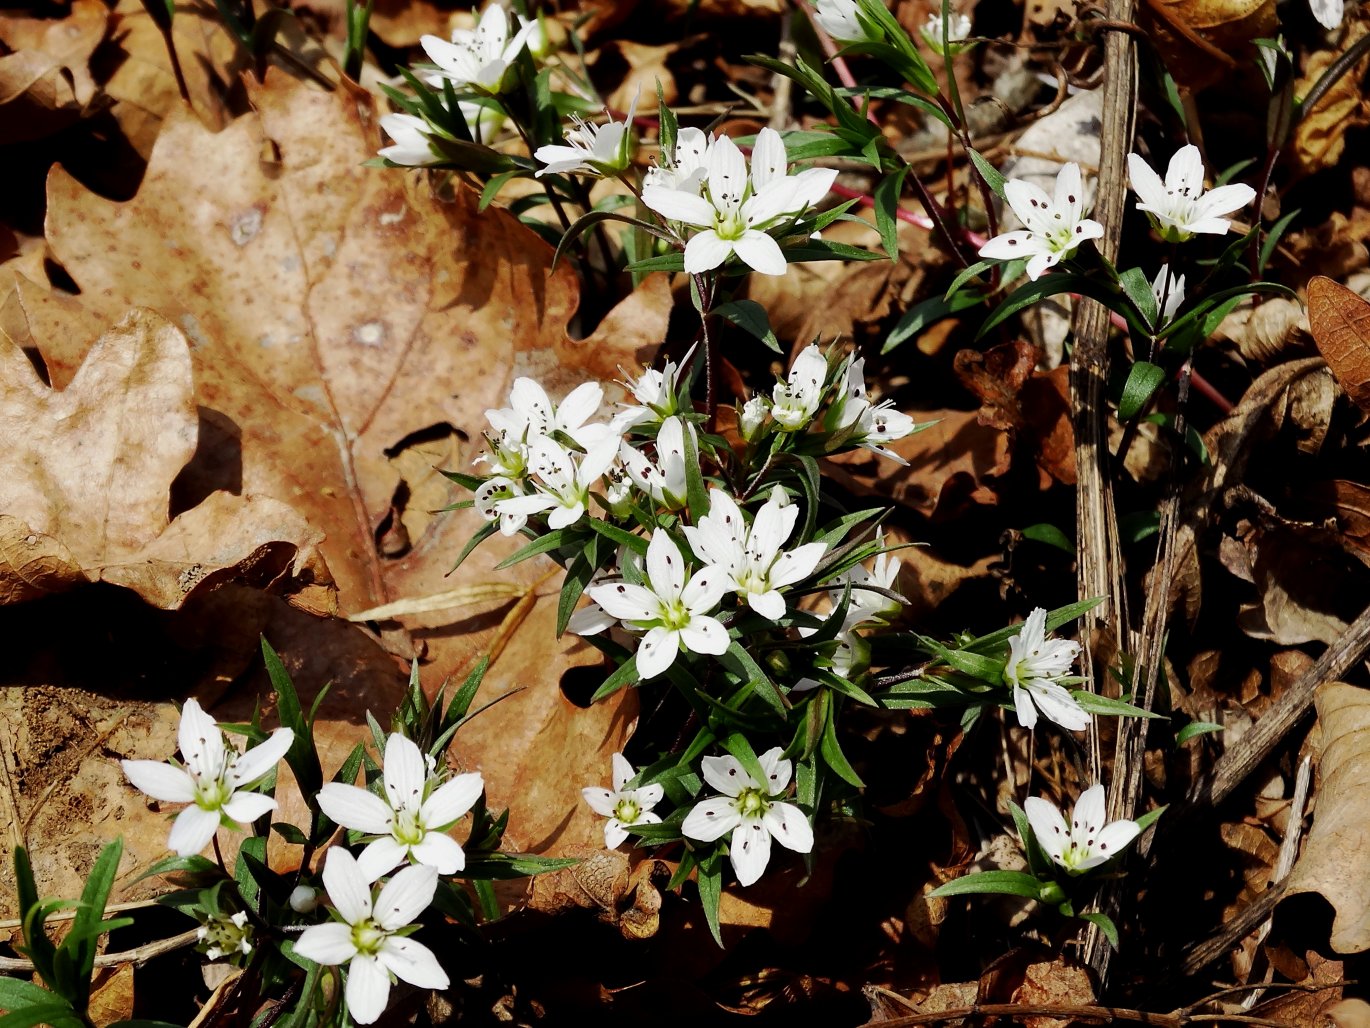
x=88, y=473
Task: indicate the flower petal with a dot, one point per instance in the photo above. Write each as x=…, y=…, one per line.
x=657, y=651
x=380, y=857
x=796, y=564
x=192, y=830
x=727, y=175
x=769, y=159
x=678, y=205
x=759, y=252
x=405, y=896
x=405, y=772
x=245, y=807
x=368, y=989
x=1029, y=201
x=355, y=808
x=1023, y=707
x=789, y=827
x=439, y=850
x=622, y=770
x=1059, y=706
x=1223, y=200
x=665, y=566
x=1070, y=195
x=328, y=944
x=347, y=889
x=1114, y=838
x=1008, y=246
x=626, y=601
x=770, y=605
x=1048, y=826
x=727, y=775
x=749, y=850
x=452, y=800
x=1090, y=813
x=648, y=796
x=601, y=801
x=778, y=771
x=201, y=741
x=705, y=251
x=712, y=819
x=159, y=780
x=413, y=962
x=707, y=635
x=1185, y=173
x=261, y=760
x=1145, y=182
x=615, y=835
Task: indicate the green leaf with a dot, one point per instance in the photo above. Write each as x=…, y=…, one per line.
x=1150, y=818
x=302, y=757
x=619, y=537
x=16, y=993
x=1051, y=536
x=1052, y=285
x=627, y=673
x=196, y=865
x=974, y=271
x=710, y=882
x=1007, y=883
x=1055, y=619
x=80, y=944
x=590, y=219
x=696, y=496
x=1105, y=924
x=978, y=666
x=749, y=316
x=737, y=745
x=1143, y=379
x=1195, y=729
x=288, y=832
x=550, y=541
x=483, y=533
x=667, y=126
x=988, y=172
x=832, y=753
x=1093, y=703
x=823, y=250
x=1134, y=283
x=740, y=662
x=922, y=316
x=899, y=95
x=578, y=576
x=55, y=1014
x=506, y=866
x=1139, y=525
x=887, y=208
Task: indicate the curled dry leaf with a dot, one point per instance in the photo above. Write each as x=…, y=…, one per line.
x=1203, y=41
x=1335, y=862
x=1341, y=327
x=1058, y=982
x=625, y=895
x=1320, y=134
x=88, y=475
x=45, y=79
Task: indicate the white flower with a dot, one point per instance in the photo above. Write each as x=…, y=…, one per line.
x=1087, y=841
x=753, y=417
x=655, y=393
x=225, y=936
x=213, y=780
x=411, y=822
x=685, y=168
x=672, y=609
x=841, y=20
x=481, y=58
x=750, y=556
x=846, y=653
x=1035, y=663
x=1169, y=292
x=563, y=481
x=1327, y=12
x=1055, y=227
x=591, y=149
x=1179, y=207
x=884, y=574
x=752, y=811
x=796, y=400
x=367, y=936
x=487, y=500
x=532, y=413
x=958, y=28
x=663, y=479
x=736, y=211
x=872, y=425
x=623, y=806
x=411, y=134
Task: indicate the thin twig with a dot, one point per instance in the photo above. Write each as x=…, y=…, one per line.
x=138, y=955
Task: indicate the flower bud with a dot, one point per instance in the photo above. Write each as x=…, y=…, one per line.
x=303, y=899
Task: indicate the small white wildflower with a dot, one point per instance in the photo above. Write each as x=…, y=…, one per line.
x=590, y=149
x=753, y=417
x=795, y=401
x=684, y=169
x=884, y=574
x=842, y=20
x=1036, y=662
x=872, y=425
x=367, y=936
x=411, y=822
x=1179, y=207
x=672, y=609
x=752, y=811
x=561, y=482
x=1087, y=841
x=662, y=479
x=656, y=395
x=303, y=899
x=1055, y=226
x=214, y=779
x=479, y=59
x=1168, y=290
x=225, y=936
x=623, y=807
x=958, y=28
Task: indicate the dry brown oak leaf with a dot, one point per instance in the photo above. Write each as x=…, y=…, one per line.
x=349, y=330
x=1340, y=320
x=86, y=476
x=45, y=79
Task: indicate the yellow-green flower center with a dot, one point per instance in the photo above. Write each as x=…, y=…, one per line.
x=752, y=803
x=367, y=936
x=408, y=829
x=212, y=795
x=627, y=811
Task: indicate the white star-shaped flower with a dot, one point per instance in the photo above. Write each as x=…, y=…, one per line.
x=841, y=20
x=1169, y=292
x=737, y=210
x=1036, y=662
x=1056, y=226
x=958, y=28
x=795, y=401
x=656, y=395
x=685, y=167
x=671, y=608
x=622, y=806
x=481, y=58
x=214, y=779
x=752, y=811
x=1179, y=207
x=1086, y=842
x=871, y=606
x=662, y=479
x=561, y=481
x=367, y=936
x=590, y=149
x=872, y=425
x=750, y=556
x=411, y=140
x=411, y=821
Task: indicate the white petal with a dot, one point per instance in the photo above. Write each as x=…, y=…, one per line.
x=406, y=896
x=665, y=566
x=601, y=801
x=1224, y=200
x=797, y=563
x=580, y=405
x=749, y=850
x=347, y=889
x=413, y=962
x=615, y=835
x=778, y=770
x=1328, y=12
x=1059, y=706
x=626, y=601
x=445, y=55
x=441, y=851
x=769, y=159
x=705, y=635
x=759, y=252
x=1070, y=196
x=710, y=820
x=1022, y=705
x=727, y=175
x=245, y=807
x=355, y=808
x=1039, y=263
x=1113, y=839
x=159, y=780
x=368, y=989
x=1029, y=202
x=622, y=770
x=657, y=651
x=706, y=251
x=648, y=796
x=380, y=857
x=789, y=827
x=769, y=605
x=727, y=775
x=678, y=205
x=706, y=588
x=1090, y=813
x=1186, y=171
x=452, y=800
x=328, y=944
x=259, y=761
x=405, y=772
x=201, y=742
x=1145, y=182
x=1048, y=826
x=1010, y=245
x=192, y=830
